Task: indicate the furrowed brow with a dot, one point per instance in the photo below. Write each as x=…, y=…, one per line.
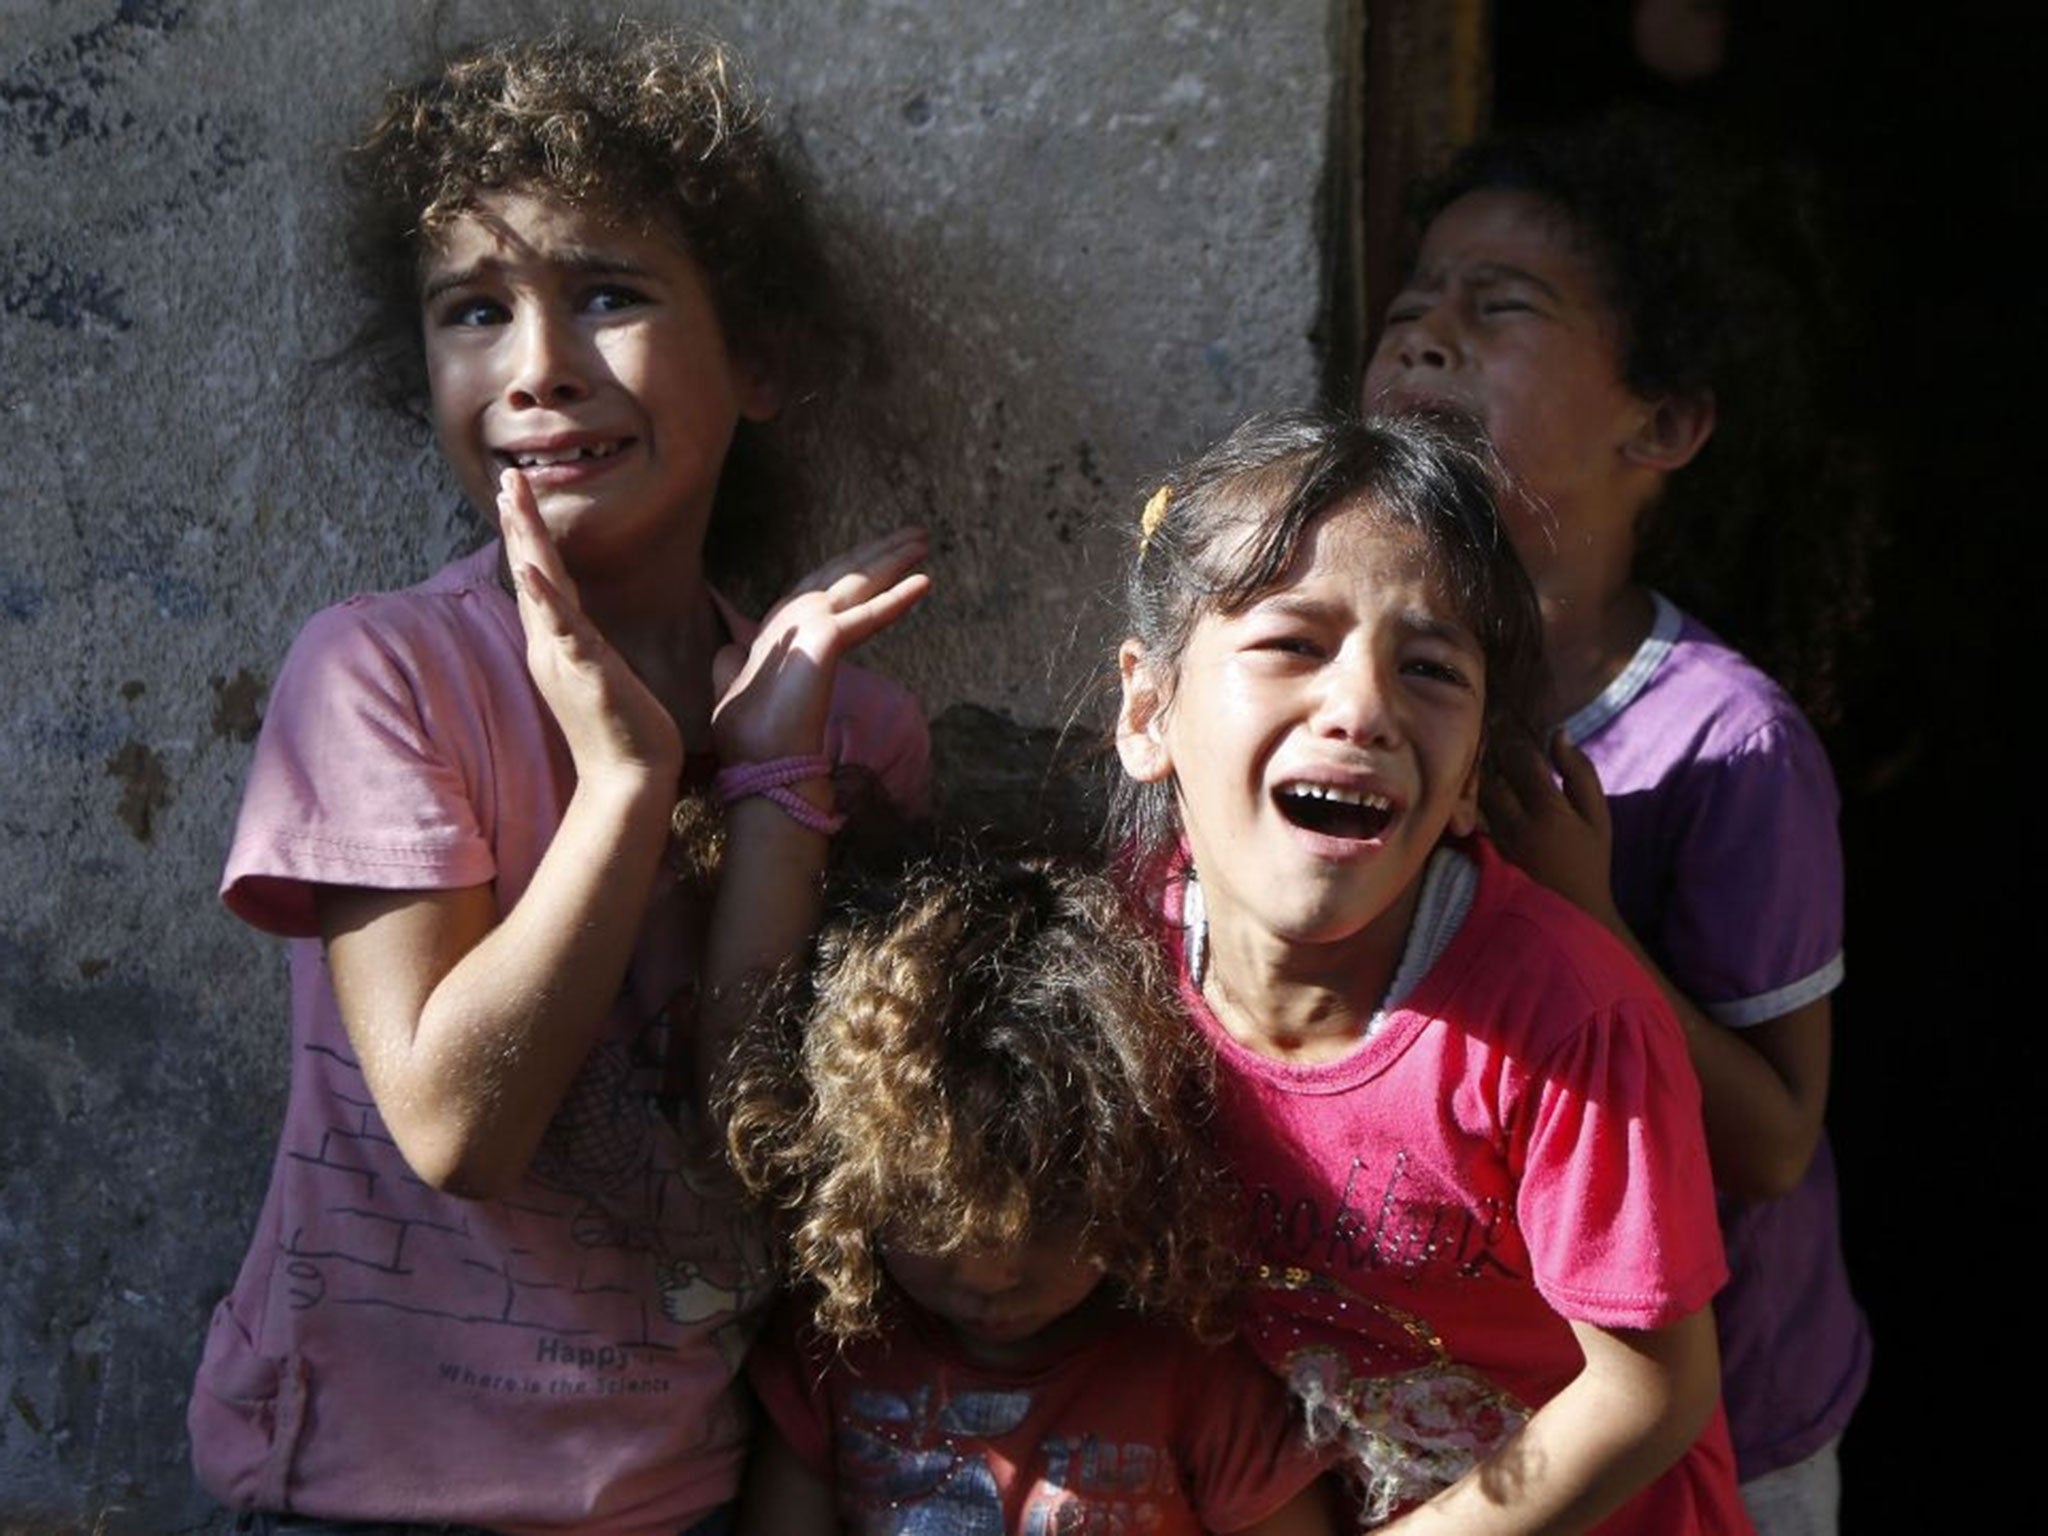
x=447, y=281
x=1293, y=604
x=1426, y=625
x=1491, y=274
x=600, y=263
x=578, y=261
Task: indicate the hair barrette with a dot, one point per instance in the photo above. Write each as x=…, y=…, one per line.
x=1153, y=515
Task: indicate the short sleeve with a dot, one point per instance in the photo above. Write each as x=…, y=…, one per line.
x=352, y=783
x=1616, y=1197
x=879, y=727
x=1247, y=1451
x=1753, y=923
x=789, y=1383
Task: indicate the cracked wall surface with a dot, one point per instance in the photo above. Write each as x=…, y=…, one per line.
x=1088, y=233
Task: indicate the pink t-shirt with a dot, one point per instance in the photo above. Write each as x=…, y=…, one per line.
x=1516, y=1147
x=559, y=1358
x=1139, y=1428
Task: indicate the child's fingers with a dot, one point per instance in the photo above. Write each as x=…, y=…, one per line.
x=572, y=645
x=543, y=601
x=848, y=599
x=853, y=577
x=605, y=712
x=1581, y=780
x=877, y=613
x=774, y=699
x=546, y=593
x=518, y=514
x=893, y=550
x=527, y=541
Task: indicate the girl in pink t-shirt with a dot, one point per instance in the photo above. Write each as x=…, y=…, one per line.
x=499, y=1281
x=982, y=1133
x=1480, y=1221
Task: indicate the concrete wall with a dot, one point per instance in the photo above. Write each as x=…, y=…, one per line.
x=1094, y=229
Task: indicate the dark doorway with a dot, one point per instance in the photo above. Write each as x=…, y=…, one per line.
x=1912, y=117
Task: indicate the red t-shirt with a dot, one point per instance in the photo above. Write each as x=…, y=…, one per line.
x=1141, y=1426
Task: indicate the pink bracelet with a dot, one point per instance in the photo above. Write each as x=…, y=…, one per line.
x=768, y=779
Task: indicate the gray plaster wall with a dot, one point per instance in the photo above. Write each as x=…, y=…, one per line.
x=1091, y=235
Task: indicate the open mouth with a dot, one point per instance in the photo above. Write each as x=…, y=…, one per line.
x=549, y=459
x=1335, y=812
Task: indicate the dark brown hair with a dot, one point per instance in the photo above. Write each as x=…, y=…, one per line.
x=1719, y=270
x=1271, y=479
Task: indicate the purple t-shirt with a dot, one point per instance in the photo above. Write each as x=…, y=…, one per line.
x=562, y=1357
x=1728, y=867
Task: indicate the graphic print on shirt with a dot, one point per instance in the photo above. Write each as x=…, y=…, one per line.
x=1371, y=1376
x=1388, y=1223
x=607, y=1129
x=919, y=1464
x=615, y=1249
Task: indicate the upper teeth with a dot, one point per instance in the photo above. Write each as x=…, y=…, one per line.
x=526, y=460
x=1341, y=796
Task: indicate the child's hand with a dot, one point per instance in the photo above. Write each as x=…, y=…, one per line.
x=1559, y=834
x=609, y=717
x=774, y=696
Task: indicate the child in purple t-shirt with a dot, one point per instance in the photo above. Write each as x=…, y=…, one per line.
x=1582, y=293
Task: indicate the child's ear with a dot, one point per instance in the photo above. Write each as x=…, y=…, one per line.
x=1672, y=434
x=1140, y=741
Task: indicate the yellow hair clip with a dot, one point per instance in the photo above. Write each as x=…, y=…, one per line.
x=1153, y=515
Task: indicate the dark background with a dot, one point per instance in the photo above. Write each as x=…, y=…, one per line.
x=1921, y=123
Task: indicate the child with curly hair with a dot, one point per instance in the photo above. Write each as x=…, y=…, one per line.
x=983, y=1131
x=1642, y=329
x=501, y=1279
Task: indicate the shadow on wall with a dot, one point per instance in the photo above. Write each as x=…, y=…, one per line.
x=1038, y=787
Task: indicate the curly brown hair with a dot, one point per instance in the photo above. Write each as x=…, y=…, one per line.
x=986, y=1049
x=661, y=130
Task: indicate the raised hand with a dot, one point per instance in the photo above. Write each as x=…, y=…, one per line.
x=773, y=696
x=609, y=717
x=773, y=699
x=1555, y=828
